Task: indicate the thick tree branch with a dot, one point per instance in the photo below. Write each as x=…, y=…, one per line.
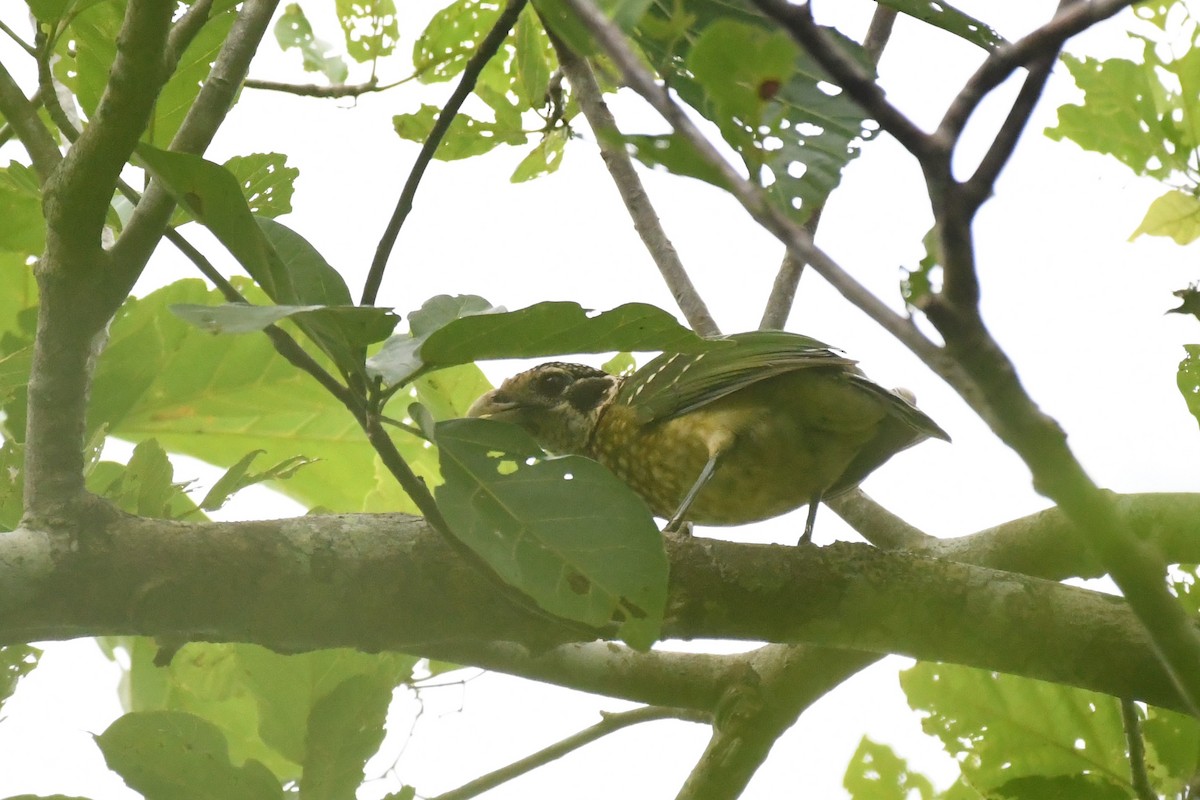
x=633, y=193
x=781, y=682
x=387, y=582
x=466, y=83
x=876, y=524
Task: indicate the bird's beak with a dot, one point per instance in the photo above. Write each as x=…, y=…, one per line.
x=489, y=406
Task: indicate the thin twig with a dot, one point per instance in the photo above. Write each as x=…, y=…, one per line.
x=978, y=187
x=21, y=43
x=1139, y=778
x=879, y=32
x=633, y=193
x=611, y=723
x=1007, y=58
x=483, y=53
x=185, y=29
x=316, y=90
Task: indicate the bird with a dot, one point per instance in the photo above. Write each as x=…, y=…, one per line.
x=765, y=423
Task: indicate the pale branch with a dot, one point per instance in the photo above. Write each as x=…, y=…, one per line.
x=21, y=117
x=779, y=303
x=185, y=29
x=752, y=198
x=388, y=582
x=624, y=176
x=150, y=217
x=1047, y=544
x=1004, y=60
x=879, y=32
x=858, y=83
x=658, y=677
x=1136, y=747
x=610, y=723
x=77, y=197
x=876, y=524
x=486, y=49
x=780, y=683
x=316, y=90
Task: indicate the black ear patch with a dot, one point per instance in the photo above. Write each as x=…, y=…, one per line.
x=586, y=394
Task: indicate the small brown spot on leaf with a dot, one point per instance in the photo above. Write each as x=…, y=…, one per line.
x=578, y=583
x=768, y=88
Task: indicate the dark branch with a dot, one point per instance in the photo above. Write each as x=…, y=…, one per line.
x=1136, y=745
x=858, y=83
x=483, y=54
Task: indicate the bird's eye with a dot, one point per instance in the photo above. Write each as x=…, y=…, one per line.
x=551, y=383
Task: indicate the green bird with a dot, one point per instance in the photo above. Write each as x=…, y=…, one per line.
x=729, y=436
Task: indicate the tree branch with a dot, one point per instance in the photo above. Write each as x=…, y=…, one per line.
x=782, y=682
x=316, y=90
x=633, y=193
x=388, y=582
x=150, y=217
x=21, y=116
x=483, y=54
x=1137, y=751
x=610, y=723
x=876, y=524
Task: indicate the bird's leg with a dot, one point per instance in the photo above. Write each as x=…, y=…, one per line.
x=705, y=474
x=813, y=505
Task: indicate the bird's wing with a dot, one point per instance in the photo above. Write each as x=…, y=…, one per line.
x=901, y=409
x=677, y=383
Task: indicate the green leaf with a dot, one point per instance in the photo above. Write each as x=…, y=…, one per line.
x=1001, y=727
x=793, y=129
x=16, y=661
x=1173, y=744
x=370, y=27
x=1060, y=787
x=171, y=755
x=466, y=137
x=145, y=486
x=1135, y=111
x=451, y=37
x=399, y=359
x=1188, y=379
x=544, y=158
x=875, y=772
x=554, y=328
x=345, y=728
x=282, y=262
x=217, y=398
x=948, y=18
x=18, y=301
x=675, y=154
x=293, y=30
x=565, y=531
x=22, y=227
x=238, y=477
x=12, y=484
x=1175, y=214
x=85, y=50
x=358, y=325
x=532, y=58
x=267, y=182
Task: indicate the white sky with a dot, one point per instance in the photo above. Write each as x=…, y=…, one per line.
x=1079, y=309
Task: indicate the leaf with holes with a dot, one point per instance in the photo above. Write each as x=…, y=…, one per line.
x=950, y=19
x=293, y=30
x=565, y=531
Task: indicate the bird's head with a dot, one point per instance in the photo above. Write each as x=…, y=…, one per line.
x=558, y=404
